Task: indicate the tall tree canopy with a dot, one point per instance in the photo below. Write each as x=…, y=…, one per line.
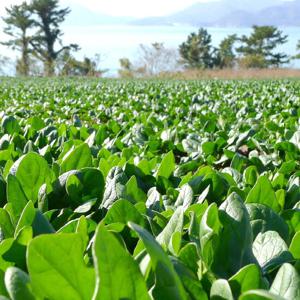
x=226, y=53
x=18, y=22
x=197, y=51
x=261, y=46
x=48, y=20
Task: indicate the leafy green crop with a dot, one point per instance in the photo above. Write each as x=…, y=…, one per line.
x=149, y=190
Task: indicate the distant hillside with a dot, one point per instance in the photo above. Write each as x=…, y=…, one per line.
x=239, y=13
x=284, y=15
x=81, y=16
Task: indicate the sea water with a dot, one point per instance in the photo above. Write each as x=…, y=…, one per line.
x=113, y=42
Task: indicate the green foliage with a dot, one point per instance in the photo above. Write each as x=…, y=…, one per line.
x=68, y=65
x=18, y=285
x=257, y=50
x=116, y=268
x=51, y=258
x=149, y=190
x=35, y=30
x=263, y=193
x=226, y=52
x=197, y=51
x=18, y=22
x=48, y=19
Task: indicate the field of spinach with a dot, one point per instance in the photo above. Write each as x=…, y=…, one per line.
x=140, y=190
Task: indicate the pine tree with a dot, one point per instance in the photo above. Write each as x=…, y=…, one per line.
x=261, y=46
x=18, y=22
x=197, y=51
x=48, y=20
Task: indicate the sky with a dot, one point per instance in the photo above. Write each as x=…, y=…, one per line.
x=132, y=8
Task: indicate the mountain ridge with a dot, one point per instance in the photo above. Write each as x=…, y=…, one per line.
x=82, y=16
x=226, y=13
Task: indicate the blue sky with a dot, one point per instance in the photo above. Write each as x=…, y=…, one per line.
x=135, y=8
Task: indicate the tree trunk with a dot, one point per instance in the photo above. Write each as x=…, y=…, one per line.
x=24, y=64
x=49, y=67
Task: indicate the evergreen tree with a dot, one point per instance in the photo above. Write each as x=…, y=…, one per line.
x=18, y=22
x=197, y=51
x=261, y=46
x=226, y=53
x=48, y=18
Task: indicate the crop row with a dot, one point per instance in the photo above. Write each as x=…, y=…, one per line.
x=149, y=190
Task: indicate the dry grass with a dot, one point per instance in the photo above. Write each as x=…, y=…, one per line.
x=235, y=74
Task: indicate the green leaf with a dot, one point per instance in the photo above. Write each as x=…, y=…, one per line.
x=247, y=278
x=18, y=285
x=77, y=158
x=114, y=187
x=174, y=225
x=13, y=251
x=295, y=246
x=259, y=295
x=85, y=185
x=56, y=260
x=168, y=284
x=122, y=212
x=10, y=125
x=26, y=218
x=189, y=256
x=239, y=162
x=41, y=225
x=295, y=139
x=104, y=167
x=82, y=226
x=33, y=217
x=292, y=218
x=208, y=148
x=154, y=199
x=6, y=226
x=32, y=172
x=191, y=283
x=286, y=283
x=5, y=245
x=85, y=207
x=235, y=245
x=210, y=227
x=167, y=165
x=118, y=275
x=270, y=250
x=185, y=197
x=263, y=193
x=250, y=175
x=220, y=290
x=16, y=197
x=218, y=186
x=133, y=192
x=263, y=218
x=3, y=290
x=288, y=167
